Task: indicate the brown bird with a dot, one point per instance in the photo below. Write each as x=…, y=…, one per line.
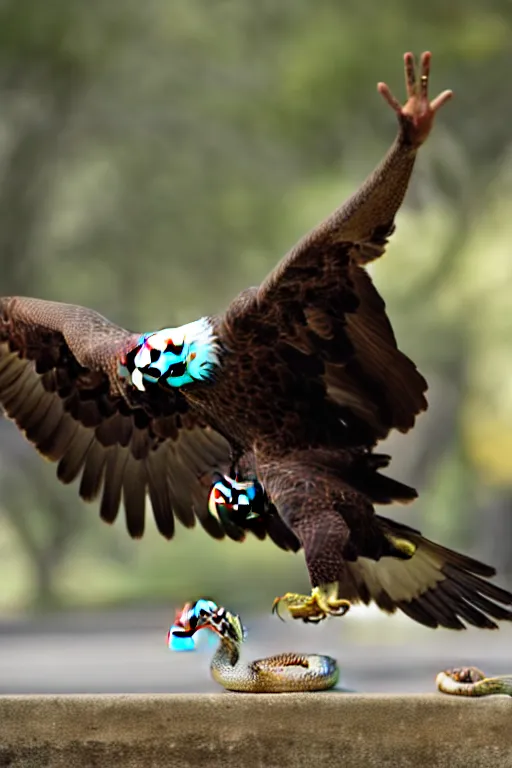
x=264, y=418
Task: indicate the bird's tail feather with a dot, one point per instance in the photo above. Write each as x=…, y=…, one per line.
x=460, y=592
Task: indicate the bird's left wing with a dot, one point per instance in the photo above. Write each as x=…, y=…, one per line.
x=323, y=302
x=60, y=384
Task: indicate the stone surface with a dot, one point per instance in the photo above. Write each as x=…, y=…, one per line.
x=237, y=730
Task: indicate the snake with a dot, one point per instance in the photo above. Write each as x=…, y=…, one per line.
x=292, y=672
x=471, y=681
x=283, y=673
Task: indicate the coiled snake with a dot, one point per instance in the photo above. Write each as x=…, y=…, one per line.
x=288, y=672
x=470, y=681
x=283, y=673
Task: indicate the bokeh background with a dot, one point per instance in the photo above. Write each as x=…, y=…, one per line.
x=158, y=157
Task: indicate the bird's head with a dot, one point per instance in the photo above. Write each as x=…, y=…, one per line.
x=205, y=614
x=173, y=357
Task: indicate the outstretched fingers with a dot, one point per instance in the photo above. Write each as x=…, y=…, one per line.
x=425, y=74
x=385, y=92
x=440, y=100
x=411, y=87
x=417, y=103
x=410, y=74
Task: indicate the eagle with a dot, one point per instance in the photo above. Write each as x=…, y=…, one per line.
x=265, y=418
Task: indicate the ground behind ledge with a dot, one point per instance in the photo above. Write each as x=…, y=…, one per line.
x=126, y=652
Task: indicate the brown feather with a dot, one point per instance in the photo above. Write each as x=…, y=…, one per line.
x=113, y=483
x=134, y=495
x=158, y=486
x=93, y=472
x=71, y=463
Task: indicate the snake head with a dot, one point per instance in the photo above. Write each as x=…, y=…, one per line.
x=465, y=674
x=205, y=614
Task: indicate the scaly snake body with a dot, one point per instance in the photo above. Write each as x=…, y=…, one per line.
x=289, y=672
x=284, y=673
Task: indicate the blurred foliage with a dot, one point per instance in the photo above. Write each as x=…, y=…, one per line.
x=157, y=158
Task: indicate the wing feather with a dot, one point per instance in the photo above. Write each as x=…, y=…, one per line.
x=134, y=495
x=159, y=496
x=113, y=483
x=59, y=384
x=325, y=307
x=320, y=300
x=93, y=472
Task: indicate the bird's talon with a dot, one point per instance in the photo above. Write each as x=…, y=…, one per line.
x=298, y=606
x=338, y=607
x=310, y=608
x=275, y=607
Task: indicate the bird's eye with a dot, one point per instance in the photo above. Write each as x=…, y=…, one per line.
x=178, y=369
x=155, y=354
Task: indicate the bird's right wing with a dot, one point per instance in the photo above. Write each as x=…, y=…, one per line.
x=60, y=384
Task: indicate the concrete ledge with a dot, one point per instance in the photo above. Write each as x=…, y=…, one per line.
x=244, y=730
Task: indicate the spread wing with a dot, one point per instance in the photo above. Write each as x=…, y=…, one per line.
x=59, y=383
x=322, y=303
x=437, y=587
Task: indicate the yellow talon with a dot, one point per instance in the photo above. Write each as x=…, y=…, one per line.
x=322, y=602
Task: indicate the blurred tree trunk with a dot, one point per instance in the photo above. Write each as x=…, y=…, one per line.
x=45, y=552
x=38, y=510
x=25, y=188
x=25, y=184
